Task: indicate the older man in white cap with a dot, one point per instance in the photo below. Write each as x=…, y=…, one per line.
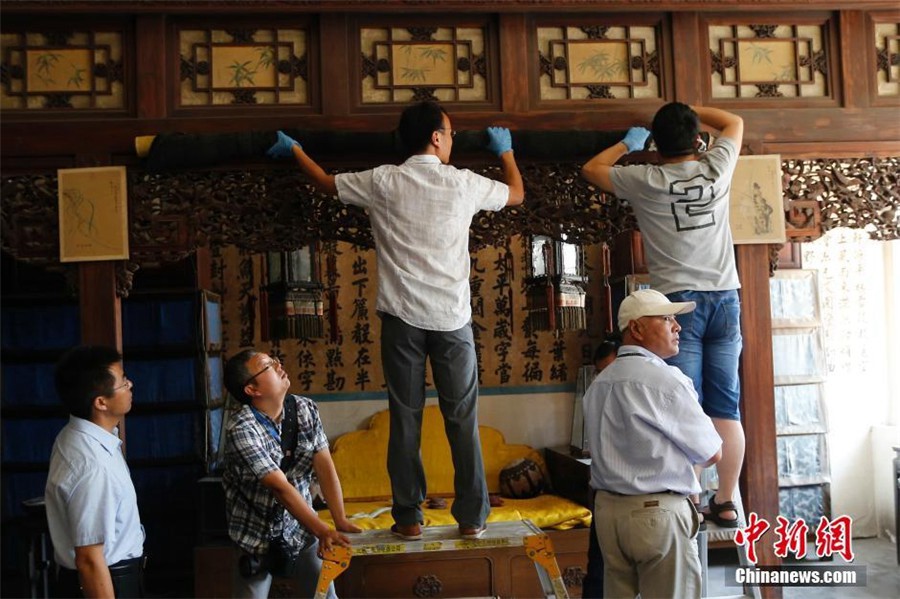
x=646, y=431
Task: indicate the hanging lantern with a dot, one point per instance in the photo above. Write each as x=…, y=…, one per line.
x=292, y=297
x=555, y=296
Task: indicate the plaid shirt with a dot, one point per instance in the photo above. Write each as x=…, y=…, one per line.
x=254, y=515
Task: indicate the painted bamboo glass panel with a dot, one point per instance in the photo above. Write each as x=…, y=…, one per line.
x=887, y=51
x=250, y=66
x=769, y=61
x=598, y=62
x=70, y=70
x=400, y=65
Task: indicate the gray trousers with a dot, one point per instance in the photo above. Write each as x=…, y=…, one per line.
x=304, y=570
x=649, y=545
x=404, y=349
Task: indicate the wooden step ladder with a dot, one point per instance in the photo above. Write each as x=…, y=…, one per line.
x=520, y=533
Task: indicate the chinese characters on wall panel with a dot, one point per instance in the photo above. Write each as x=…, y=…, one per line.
x=347, y=360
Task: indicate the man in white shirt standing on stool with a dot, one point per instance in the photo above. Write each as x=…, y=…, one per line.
x=420, y=213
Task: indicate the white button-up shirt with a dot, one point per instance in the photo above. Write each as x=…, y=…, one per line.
x=421, y=212
x=90, y=497
x=645, y=427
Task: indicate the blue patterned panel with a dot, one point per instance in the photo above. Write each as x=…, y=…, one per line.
x=162, y=435
x=158, y=322
x=806, y=502
x=799, y=409
x=160, y=381
x=40, y=327
x=801, y=459
x=30, y=439
x=29, y=384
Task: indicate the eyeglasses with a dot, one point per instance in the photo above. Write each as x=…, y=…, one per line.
x=452, y=131
x=126, y=385
x=273, y=362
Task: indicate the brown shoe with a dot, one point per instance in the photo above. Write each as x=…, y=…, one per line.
x=471, y=532
x=407, y=532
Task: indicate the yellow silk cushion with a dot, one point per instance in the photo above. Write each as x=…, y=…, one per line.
x=360, y=458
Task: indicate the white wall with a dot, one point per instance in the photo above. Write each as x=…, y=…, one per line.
x=857, y=287
x=539, y=420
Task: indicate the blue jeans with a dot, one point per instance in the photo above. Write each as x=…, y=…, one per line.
x=710, y=349
x=304, y=570
x=404, y=349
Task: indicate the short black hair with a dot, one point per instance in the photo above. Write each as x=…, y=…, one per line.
x=609, y=345
x=237, y=373
x=82, y=374
x=675, y=130
x=417, y=123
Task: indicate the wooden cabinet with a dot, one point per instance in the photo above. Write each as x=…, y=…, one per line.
x=490, y=572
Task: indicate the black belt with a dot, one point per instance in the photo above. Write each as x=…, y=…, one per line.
x=127, y=578
x=642, y=494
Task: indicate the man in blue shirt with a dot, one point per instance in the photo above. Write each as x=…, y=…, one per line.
x=92, y=511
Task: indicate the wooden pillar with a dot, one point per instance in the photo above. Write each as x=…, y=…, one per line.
x=759, y=477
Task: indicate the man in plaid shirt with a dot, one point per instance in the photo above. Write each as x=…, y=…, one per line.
x=269, y=510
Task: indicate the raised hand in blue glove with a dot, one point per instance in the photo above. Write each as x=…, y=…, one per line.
x=283, y=147
x=635, y=139
x=499, y=140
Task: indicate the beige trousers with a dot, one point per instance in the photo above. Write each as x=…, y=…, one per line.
x=649, y=545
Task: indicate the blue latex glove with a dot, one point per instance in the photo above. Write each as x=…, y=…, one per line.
x=635, y=139
x=283, y=147
x=499, y=140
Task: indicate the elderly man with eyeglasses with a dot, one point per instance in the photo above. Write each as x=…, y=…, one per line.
x=267, y=493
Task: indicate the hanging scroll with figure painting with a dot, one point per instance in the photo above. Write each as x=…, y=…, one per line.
x=756, y=208
x=93, y=214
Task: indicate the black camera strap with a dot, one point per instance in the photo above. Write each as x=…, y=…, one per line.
x=289, y=432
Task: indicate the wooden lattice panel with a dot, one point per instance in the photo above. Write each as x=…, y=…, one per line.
x=224, y=67
x=598, y=62
x=399, y=65
x=887, y=52
x=770, y=60
x=81, y=70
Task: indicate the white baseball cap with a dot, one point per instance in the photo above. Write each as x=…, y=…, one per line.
x=648, y=302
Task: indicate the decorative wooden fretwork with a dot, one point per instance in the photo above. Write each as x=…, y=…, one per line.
x=573, y=576
x=52, y=70
x=887, y=52
x=406, y=64
x=224, y=67
x=859, y=193
x=428, y=585
x=598, y=62
x=172, y=213
x=770, y=61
